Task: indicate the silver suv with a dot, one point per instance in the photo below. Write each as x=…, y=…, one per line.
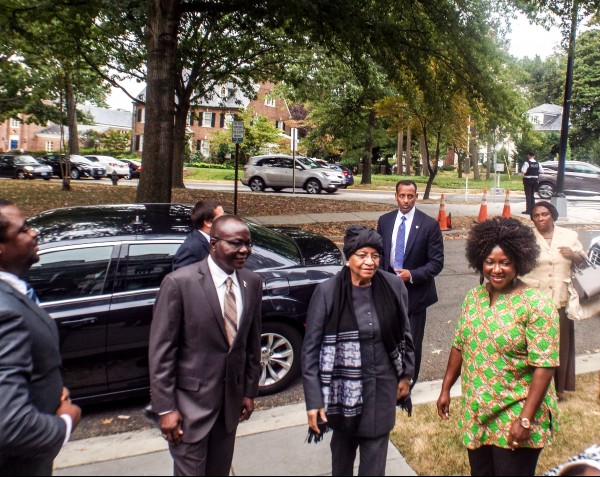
x=581, y=178
x=276, y=172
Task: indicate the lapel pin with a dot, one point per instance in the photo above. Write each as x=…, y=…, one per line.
x=416, y=227
x=245, y=284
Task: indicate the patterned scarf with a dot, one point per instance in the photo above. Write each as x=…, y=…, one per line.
x=340, y=363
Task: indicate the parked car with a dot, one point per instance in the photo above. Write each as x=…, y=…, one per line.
x=111, y=164
x=79, y=166
x=23, y=167
x=100, y=270
x=276, y=172
x=594, y=253
x=581, y=178
x=135, y=168
x=348, y=175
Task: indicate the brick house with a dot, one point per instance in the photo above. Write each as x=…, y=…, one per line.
x=215, y=113
x=16, y=134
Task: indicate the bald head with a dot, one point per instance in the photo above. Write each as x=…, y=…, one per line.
x=230, y=243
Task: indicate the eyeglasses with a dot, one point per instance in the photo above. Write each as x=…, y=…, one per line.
x=364, y=256
x=236, y=244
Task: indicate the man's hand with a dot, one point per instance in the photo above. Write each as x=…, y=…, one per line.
x=247, y=409
x=170, y=425
x=403, y=274
x=403, y=389
x=312, y=418
x=67, y=407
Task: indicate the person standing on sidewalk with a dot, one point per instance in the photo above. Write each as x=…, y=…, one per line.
x=357, y=356
x=531, y=171
x=196, y=246
x=37, y=414
x=205, y=352
x=413, y=249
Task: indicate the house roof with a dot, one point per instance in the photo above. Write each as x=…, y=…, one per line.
x=233, y=99
x=546, y=108
x=108, y=117
x=551, y=117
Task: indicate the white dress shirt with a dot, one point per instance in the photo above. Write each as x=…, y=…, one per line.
x=219, y=278
x=205, y=235
x=408, y=224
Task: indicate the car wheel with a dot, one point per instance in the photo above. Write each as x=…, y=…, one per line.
x=277, y=189
x=280, y=357
x=127, y=177
x=257, y=184
x=47, y=178
x=75, y=174
x=21, y=175
x=313, y=187
x=545, y=190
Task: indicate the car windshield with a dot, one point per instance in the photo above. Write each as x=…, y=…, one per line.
x=81, y=160
x=307, y=163
x=26, y=160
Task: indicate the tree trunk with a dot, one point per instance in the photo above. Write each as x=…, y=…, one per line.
x=408, y=151
x=163, y=23
x=461, y=162
x=474, y=153
x=368, y=159
x=179, y=138
x=424, y=154
x=488, y=162
x=399, y=151
x=432, y=170
x=71, y=116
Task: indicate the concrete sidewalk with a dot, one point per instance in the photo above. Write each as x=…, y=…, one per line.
x=271, y=443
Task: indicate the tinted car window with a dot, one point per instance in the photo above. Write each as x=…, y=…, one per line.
x=145, y=266
x=73, y=273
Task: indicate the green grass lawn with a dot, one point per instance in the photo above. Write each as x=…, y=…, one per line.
x=206, y=174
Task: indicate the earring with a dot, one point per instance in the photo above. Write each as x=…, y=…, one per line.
x=481, y=279
x=515, y=282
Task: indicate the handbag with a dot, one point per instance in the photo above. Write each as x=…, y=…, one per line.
x=578, y=310
x=586, y=281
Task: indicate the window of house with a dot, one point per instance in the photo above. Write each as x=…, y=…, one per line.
x=228, y=119
x=198, y=144
x=280, y=125
x=190, y=118
x=223, y=92
x=141, y=115
x=270, y=102
x=49, y=146
x=208, y=120
x=205, y=148
x=139, y=142
x=15, y=123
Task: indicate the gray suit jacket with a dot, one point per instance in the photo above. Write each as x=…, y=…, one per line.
x=192, y=368
x=31, y=435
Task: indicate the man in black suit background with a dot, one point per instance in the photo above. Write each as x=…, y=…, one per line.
x=37, y=414
x=195, y=248
x=414, y=251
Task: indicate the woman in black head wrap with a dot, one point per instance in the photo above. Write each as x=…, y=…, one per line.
x=358, y=356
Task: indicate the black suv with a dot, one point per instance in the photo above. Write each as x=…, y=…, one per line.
x=23, y=167
x=581, y=178
x=101, y=267
x=79, y=166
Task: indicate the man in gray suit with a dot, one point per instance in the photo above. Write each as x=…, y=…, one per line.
x=37, y=415
x=205, y=352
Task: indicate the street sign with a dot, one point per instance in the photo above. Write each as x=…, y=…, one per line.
x=237, y=132
x=294, y=135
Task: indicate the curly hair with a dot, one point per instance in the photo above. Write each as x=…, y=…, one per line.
x=515, y=239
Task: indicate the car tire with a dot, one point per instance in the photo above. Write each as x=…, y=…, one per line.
x=545, y=190
x=313, y=186
x=331, y=191
x=127, y=177
x=75, y=174
x=21, y=176
x=281, y=346
x=257, y=184
x=277, y=189
x=47, y=178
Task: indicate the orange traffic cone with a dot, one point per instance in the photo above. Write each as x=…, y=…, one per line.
x=449, y=221
x=506, y=210
x=483, y=210
x=442, y=218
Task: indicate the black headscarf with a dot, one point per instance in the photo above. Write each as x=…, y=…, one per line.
x=358, y=236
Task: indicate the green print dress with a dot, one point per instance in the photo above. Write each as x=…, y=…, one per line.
x=501, y=345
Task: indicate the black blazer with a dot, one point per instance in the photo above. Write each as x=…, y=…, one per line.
x=31, y=435
x=423, y=257
x=194, y=249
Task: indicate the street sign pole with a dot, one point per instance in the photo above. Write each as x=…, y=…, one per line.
x=237, y=136
x=294, y=134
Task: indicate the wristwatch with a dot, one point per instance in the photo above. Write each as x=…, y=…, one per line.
x=526, y=423
x=408, y=380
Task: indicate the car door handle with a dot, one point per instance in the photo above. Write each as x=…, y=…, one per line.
x=83, y=321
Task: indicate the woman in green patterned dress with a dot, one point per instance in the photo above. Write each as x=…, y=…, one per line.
x=506, y=347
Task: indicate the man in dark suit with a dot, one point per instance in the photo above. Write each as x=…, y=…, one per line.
x=414, y=251
x=37, y=415
x=205, y=352
x=195, y=248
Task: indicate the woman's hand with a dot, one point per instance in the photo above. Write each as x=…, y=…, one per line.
x=443, y=405
x=313, y=414
x=403, y=389
x=574, y=257
x=518, y=435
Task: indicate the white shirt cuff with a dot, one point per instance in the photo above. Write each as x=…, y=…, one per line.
x=69, y=422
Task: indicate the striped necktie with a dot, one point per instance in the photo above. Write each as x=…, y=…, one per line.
x=230, y=312
x=400, y=239
x=31, y=294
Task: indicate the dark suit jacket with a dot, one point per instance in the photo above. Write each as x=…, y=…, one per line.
x=423, y=257
x=379, y=404
x=192, y=368
x=194, y=249
x=31, y=435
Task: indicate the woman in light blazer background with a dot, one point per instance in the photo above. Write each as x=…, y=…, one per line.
x=560, y=250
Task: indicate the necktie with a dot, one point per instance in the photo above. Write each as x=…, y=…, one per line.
x=400, y=239
x=230, y=311
x=31, y=294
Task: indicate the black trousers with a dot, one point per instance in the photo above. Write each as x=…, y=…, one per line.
x=373, y=454
x=417, y=330
x=492, y=460
x=211, y=456
x=530, y=186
